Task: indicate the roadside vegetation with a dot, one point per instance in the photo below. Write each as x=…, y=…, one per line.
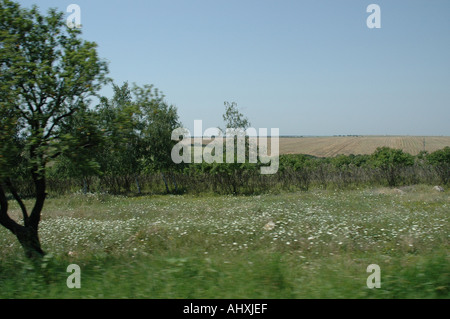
x=314, y=244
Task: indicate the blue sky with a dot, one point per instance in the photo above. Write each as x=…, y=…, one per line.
x=308, y=67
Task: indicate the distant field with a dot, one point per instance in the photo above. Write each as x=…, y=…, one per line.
x=330, y=146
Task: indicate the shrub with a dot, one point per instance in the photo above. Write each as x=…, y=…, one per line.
x=390, y=161
x=440, y=160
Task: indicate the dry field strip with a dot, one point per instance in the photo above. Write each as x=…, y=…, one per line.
x=330, y=146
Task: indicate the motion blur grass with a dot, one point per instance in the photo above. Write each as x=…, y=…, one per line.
x=318, y=245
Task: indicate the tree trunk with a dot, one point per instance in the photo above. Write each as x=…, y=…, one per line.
x=85, y=186
x=165, y=182
x=26, y=234
x=29, y=239
x=174, y=183
x=136, y=180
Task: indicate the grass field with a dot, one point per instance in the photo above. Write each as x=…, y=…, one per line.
x=314, y=244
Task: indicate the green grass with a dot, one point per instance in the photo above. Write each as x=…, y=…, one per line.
x=218, y=246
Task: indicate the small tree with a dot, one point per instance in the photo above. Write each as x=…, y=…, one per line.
x=440, y=160
x=47, y=74
x=121, y=152
x=157, y=121
x=233, y=118
x=84, y=138
x=391, y=161
x=232, y=174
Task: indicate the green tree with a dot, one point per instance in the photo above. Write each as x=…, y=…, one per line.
x=440, y=160
x=48, y=73
x=233, y=118
x=390, y=161
x=233, y=174
x=83, y=139
x=157, y=121
x=121, y=152
x=137, y=125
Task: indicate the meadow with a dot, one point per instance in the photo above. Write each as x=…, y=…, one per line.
x=314, y=244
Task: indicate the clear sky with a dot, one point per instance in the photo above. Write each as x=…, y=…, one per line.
x=309, y=67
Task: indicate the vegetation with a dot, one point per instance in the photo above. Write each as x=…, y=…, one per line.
x=318, y=246
x=390, y=161
x=105, y=174
x=47, y=75
x=440, y=160
x=386, y=167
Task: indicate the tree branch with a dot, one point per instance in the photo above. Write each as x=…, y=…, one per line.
x=30, y=106
x=18, y=200
x=40, y=186
x=5, y=220
x=21, y=112
x=56, y=121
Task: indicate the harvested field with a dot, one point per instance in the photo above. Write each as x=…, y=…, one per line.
x=332, y=146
